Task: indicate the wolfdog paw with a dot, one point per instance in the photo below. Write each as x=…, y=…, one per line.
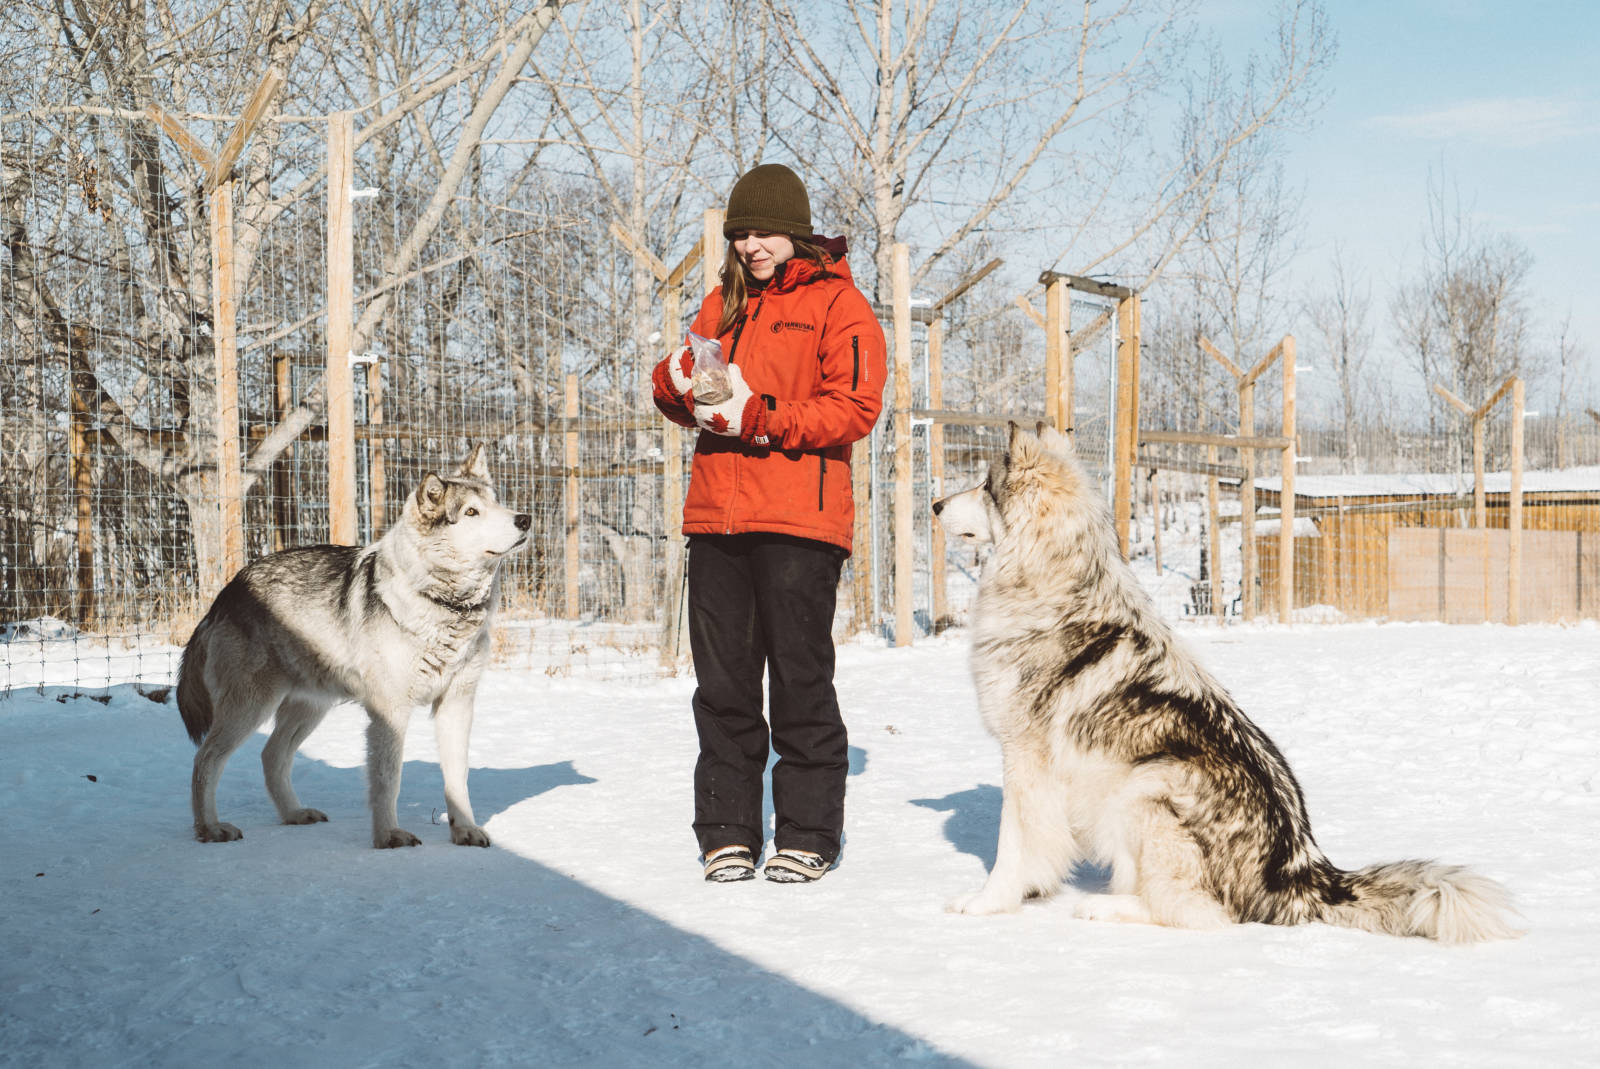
x=395, y=837
x=982, y=903
x=468, y=835
x=217, y=833
x=306, y=816
x=1128, y=909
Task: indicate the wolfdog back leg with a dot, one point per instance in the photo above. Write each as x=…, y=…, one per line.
x=452, y=725
x=297, y=717
x=386, y=741
x=241, y=702
x=1168, y=883
x=1036, y=847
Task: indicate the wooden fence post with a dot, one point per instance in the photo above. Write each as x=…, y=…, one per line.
x=1126, y=438
x=1057, y=355
x=218, y=189
x=1480, y=509
x=1247, y=502
x=1286, y=493
x=1514, y=508
x=904, y=537
x=938, y=607
x=1479, y=418
x=224, y=338
x=1214, y=533
x=672, y=497
x=343, y=528
x=574, y=485
x=1153, y=492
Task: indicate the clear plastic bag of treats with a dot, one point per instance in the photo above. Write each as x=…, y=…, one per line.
x=710, y=382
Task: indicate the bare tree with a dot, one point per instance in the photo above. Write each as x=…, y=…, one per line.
x=1462, y=320
x=1572, y=385
x=940, y=121
x=1342, y=340
x=1224, y=285
x=118, y=195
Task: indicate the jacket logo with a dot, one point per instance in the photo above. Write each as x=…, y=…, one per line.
x=790, y=324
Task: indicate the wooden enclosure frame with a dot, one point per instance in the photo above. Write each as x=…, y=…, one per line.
x=218, y=190
x=1247, y=442
x=1479, y=417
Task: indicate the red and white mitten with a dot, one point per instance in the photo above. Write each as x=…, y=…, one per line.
x=680, y=369
x=674, y=375
x=742, y=416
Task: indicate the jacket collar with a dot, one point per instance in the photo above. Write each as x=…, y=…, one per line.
x=792, y=274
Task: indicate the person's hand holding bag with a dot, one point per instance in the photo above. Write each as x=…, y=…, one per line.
x=674, y=378
x=742, y=416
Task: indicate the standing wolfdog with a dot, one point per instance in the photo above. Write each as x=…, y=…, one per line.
x=1119, y=748
x=397, y=624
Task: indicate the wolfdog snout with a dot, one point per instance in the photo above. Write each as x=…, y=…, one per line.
x=523, y=521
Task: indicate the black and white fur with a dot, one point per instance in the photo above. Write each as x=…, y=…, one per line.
x=1119, y=748
x=402, y=622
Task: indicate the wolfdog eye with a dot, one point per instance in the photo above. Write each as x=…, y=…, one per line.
x=472, y=512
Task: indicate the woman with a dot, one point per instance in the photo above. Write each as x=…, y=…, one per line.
x=769, y=515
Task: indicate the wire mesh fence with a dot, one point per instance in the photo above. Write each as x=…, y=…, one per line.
x=514, y=325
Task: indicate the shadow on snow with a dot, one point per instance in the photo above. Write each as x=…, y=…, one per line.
x=973, y=827
x=293, y=948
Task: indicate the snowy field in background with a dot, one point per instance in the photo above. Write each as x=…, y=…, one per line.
x=586, y=937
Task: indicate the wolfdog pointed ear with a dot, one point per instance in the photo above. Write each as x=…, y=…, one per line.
x=477, y=465
x=1012, y=430
x=430, y=496
x=1054, y=440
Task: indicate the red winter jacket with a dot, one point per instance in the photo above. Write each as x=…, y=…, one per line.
x=810, y=341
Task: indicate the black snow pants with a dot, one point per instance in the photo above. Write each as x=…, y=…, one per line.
x=766, y=601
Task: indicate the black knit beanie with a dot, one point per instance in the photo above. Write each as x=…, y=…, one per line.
x=769, y=197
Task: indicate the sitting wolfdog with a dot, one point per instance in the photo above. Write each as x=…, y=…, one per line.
x=1118, y=747
x=400, y=623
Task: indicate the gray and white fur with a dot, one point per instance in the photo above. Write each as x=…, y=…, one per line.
x=1119, y=748
x=402, y=622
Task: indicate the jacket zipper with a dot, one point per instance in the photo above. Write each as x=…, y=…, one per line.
x=822, y=479
x=738, y=332
x=855, y=368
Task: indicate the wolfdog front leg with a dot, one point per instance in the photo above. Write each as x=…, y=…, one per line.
x=1036, y=847
x=386, y=740
x=452, y=724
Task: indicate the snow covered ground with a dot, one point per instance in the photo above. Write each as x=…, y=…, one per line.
x=586, y=937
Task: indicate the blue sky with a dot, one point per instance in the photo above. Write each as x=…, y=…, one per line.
x=1502, y=100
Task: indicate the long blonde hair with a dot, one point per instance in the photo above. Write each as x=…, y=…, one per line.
x=737, y=281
